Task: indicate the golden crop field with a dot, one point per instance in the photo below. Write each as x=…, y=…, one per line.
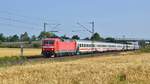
x=16, y=52
x=119, y=69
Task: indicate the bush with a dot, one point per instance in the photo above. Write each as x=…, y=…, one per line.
x=6, y=61
x=36, y=45
x=0, y=42
x=145, y=49
x=121, y=77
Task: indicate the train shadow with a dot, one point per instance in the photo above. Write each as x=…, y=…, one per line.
x=34, y=57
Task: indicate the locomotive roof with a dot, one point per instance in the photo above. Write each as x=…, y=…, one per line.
x=52, y=39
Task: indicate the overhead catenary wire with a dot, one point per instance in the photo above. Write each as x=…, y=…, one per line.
x=19, y=21
x=78, y=30
x=12, y=27
x=17, y=26
x=24, y=16
x=37, y=24
x=84, y=27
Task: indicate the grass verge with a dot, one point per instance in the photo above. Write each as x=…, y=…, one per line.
x=14, y=60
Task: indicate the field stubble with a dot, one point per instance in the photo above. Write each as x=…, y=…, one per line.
x=16, y=52
x=121, y=69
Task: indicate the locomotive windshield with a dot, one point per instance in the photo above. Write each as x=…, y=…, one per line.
x=48, y=42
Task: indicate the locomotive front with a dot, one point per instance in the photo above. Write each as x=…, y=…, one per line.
x=48, y=47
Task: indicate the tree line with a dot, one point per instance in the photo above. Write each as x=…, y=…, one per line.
x=25, y=37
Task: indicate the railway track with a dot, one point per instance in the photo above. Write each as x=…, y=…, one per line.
x=40, y=58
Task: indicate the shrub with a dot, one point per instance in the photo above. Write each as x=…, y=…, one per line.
x=121, y=77
x=145, y=49
x=6, y=61
x=0, y=42
x=36, y=45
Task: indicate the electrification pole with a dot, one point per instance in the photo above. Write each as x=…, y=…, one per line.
x=92, y=35
x=55, y=26
x=92, y=32
x=45, y=29
x=92, y=27
x=124, y=43
x=21, y=47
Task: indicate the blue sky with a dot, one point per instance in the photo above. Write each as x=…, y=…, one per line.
x=113, y=18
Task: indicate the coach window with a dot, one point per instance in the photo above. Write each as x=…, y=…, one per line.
x=103, y=45
x=99, y=45
x=92, y=45
x=82, y=45
x=79, y=45
x=88, y=45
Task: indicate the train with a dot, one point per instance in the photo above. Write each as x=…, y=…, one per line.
x=55, y=47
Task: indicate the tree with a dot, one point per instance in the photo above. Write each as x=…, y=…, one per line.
x=64, y=37
x=110, y=39
x=25, y=37
x=13, y=38
x=2, y=38
x=75, y=37
x=33, y=38
x=96, y=37
x=46, y=35
x=87, y=38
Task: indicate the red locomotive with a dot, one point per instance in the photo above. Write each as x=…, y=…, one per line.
x=57, y=47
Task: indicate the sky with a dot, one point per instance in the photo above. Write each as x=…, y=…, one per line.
x=113, y=18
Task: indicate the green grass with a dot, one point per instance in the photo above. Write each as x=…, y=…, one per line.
x=9, y=61
x=144, y=50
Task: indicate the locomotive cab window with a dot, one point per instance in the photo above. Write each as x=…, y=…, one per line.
x=48, y=42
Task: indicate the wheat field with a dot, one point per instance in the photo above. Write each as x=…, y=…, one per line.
x=16, y=52
x=110, y=69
